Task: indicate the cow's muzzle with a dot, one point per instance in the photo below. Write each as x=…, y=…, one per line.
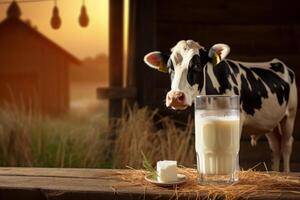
x=176, y=100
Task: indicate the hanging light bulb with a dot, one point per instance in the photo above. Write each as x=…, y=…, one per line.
x=55, y=19
x=83, y=18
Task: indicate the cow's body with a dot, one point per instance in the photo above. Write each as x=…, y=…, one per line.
x=261, y=106
x=268, y=93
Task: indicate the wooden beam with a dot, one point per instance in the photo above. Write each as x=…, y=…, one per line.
x=116, y=93
x=131, y=76
x=131, y=79
x=115, y=54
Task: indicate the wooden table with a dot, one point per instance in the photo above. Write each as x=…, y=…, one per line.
x=100, y=184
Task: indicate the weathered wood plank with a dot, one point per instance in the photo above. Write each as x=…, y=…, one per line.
x=144, y=31
x=57, y=172
x=45, y=183
x=243, y=39
x=228, y=12
x=97, y=186
x=116, y=93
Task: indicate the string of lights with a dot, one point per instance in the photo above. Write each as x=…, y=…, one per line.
x=55, y=20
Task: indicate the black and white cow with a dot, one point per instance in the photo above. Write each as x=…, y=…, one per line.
x=268, y=93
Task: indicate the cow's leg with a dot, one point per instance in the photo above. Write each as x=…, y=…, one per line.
x=287, y=127
x=274, y=142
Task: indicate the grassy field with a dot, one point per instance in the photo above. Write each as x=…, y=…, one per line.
x=32, y=140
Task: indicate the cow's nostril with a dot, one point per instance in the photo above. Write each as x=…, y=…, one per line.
x=181, y=98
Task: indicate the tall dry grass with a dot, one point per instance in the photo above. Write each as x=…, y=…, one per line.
x=14, y=140
x=27, y=139
x=138, y=133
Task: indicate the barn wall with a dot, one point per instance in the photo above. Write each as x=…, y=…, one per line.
x=55, y=82
x=18, y=70
x=64, y=90
x=35, y=58
x=256, y=30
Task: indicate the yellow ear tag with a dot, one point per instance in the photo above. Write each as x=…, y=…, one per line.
x=162, y=68
x=216, y=59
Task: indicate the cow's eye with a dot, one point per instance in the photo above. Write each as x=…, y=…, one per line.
x=195, y=63
x=191, y=77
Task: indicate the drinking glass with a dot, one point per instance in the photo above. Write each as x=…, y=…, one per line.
x=217, y=131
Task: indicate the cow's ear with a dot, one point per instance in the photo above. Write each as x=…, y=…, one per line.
x=218, y=52
x=157, y=60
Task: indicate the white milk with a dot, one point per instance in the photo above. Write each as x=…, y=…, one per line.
x=217, y=143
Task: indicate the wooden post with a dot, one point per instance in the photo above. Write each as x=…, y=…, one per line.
x=131, y=79
x=115, y=55
x=116, y=92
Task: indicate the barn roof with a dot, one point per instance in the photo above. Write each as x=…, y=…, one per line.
x=13, y=21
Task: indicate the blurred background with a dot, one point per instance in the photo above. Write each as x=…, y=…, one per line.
x=74, y=91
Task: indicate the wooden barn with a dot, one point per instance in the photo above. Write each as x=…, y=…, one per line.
x=34, y=71
x=256, y=30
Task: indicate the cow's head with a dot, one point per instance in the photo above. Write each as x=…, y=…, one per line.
x=185, y=66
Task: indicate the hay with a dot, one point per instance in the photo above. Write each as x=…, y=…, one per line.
x=251, y=184
x=138, y=133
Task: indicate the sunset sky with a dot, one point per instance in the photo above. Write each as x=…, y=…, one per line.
x=81, y=42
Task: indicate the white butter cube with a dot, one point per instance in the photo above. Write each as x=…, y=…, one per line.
x=167, y=171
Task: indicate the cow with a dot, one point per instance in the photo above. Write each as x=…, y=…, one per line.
x=267, y=90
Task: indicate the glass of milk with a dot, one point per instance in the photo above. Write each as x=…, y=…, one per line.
x=217, y=124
